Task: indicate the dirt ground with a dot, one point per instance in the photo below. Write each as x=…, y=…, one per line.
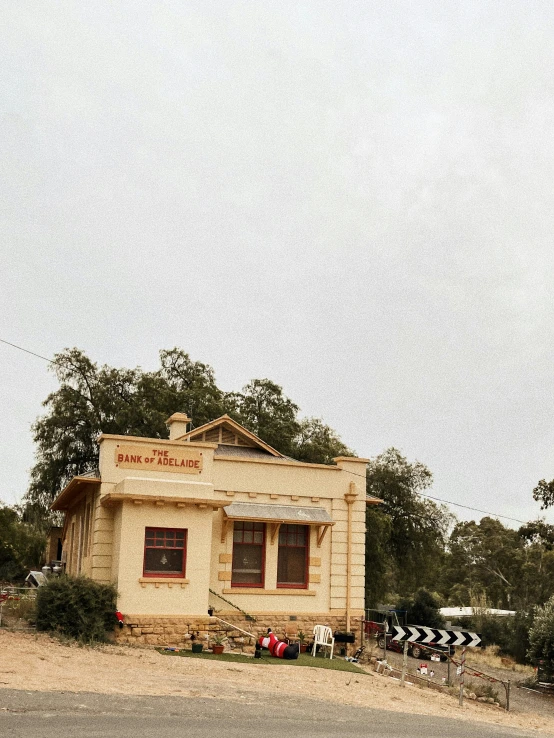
x=38, y=662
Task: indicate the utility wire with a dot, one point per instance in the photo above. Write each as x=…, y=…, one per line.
x=457, y=504
x=438, y=499
x=20, y=348
x=475, y=509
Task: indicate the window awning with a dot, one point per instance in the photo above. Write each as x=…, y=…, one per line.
x=277, y=515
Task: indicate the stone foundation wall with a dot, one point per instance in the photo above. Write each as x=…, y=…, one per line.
x=182, y=631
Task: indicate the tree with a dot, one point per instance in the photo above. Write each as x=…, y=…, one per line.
x=483, y=558
x=21, y=546
x=422, y=609
x=317, y=443
x=379, y=566
x=544, y=493
x=263, y=408
x=417, y=528
x=536, y=582
x=266, y=411
x=541, y=637
x=92, y=400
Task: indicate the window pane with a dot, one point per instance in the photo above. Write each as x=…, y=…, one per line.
x=169, y=561
x=291, y=566
x=248, y=536
x=258, y=537
x=164, y=551
x=247, y=564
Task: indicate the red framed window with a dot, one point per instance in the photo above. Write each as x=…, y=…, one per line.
x=165, y=552
x=292, y=558
x=248, y=554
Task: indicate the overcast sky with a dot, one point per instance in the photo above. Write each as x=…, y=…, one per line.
x=353, y=199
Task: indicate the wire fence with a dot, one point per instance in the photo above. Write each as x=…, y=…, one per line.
x=16, y=603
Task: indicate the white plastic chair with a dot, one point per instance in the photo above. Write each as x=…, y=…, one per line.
x=323, y=636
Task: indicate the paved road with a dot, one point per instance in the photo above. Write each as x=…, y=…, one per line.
x=54, y=714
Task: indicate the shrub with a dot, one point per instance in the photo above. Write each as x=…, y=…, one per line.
x=76, y=607
x=520, y=628
x=483, y=689
x=541, y=639
x=20, y=607
x=510, y=634
x=21, y=546
x=423, y=609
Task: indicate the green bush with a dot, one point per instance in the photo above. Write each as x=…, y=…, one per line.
x=76, y=607
x=541, y=639
x=423, y=609
x=21, y=546
x=510, y=634
x=520, y=628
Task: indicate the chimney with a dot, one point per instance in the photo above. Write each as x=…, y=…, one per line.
x=177, y=425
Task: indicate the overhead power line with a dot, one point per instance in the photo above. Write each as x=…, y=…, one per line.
x=20, y=348
x=437, y=499
x=475, y=509
x=457, y=504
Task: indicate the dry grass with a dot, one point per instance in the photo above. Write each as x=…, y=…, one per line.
x=489, y=657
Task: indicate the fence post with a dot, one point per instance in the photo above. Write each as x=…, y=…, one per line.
x=404, y=664
x=462, y=669
x=508, y=696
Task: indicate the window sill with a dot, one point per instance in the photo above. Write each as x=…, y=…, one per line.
x=259, y=591
x=170, y=581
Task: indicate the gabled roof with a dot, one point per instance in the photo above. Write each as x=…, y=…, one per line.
x=226, y=431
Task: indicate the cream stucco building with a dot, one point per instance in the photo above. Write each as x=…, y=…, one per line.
x=214, y=517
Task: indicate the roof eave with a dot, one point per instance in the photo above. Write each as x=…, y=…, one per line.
x=370, y=500
x=66, y=497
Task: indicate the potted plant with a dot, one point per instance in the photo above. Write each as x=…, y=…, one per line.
x=218, y=641
x=196, y=647
x=302, y=638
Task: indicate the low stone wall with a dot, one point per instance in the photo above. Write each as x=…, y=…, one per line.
x=180, y=631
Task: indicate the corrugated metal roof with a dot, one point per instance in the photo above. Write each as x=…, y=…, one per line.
x=465, y=612
x=248, y=451
x=278, y=513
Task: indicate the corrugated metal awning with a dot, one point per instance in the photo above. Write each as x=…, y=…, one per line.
x=277, y=513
